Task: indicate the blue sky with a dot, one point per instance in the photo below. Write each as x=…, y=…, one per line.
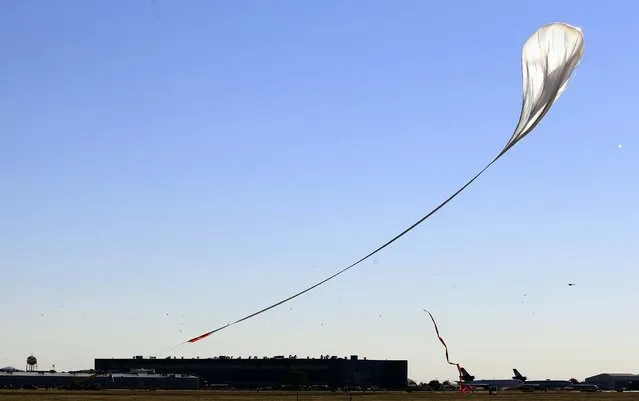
x=167, y=167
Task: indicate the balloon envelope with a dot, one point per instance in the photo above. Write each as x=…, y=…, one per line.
x=548, y=59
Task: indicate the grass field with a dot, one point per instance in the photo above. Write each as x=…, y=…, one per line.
x=126, y=395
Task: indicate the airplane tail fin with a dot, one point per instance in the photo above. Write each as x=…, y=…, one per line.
x=519, y=376
x=467, y=377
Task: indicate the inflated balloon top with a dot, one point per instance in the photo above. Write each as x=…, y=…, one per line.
x=548, y=59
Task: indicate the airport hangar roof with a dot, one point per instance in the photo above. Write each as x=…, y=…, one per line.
x=614, y=375
x=89, y=375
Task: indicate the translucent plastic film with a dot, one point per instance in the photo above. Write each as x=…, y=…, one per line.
x=548, y=59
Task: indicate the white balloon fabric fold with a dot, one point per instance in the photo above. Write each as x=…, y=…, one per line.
x=548, y=59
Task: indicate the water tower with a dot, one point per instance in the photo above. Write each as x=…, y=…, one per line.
x=32, y=363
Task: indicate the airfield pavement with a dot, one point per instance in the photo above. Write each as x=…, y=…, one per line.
x=140, y=395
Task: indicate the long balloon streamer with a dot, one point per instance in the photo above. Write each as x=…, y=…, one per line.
x=549, y=57
x=461, y=387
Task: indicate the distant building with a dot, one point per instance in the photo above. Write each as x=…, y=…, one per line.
x=615, y=381
x=72, y=380
x=275, y=372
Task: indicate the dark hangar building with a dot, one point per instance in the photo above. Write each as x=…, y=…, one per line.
x=275, y=372
x=615, y=381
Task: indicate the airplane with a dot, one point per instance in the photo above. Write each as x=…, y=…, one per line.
x=492, y=386
x=585, y=387
x=548, y=384
x=544, y=385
